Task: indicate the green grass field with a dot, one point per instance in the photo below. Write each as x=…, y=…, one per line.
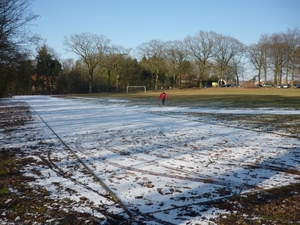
x=216, y=97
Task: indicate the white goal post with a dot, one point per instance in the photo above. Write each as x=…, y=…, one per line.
x=135, y=87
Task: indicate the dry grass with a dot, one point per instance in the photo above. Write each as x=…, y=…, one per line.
x=215, y=97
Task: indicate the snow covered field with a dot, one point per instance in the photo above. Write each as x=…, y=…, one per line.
x=162, y=165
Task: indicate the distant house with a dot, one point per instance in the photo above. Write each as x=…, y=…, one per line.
x=189, y=80
x=42, y=84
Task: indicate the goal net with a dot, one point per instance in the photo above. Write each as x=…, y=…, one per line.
x=135, y=88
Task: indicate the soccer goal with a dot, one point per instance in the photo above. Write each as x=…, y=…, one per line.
x=135, y=88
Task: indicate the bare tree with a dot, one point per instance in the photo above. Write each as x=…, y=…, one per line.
x=15, y=16
x=112, y=63
x=292, y=38
x=237, y=67
x=201, y=48
x=68, y=64
x=153, y=55
x=177, y=59
x=256, y=56
x=278, y=55
x=277, y=51
x=120, y=68
x=91, y=48
x=264, y=48
x=227, y=49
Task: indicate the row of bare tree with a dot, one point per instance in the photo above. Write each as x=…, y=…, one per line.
x=208, y=55
x=278, y=53
x=204, y=57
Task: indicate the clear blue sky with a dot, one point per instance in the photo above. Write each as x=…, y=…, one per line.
x=129, y=23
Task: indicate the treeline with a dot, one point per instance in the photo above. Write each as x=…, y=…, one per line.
x=14, y=36
x=197, y=61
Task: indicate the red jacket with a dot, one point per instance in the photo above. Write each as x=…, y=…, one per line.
x=163, y=96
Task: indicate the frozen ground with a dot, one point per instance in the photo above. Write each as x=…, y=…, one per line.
x=162, y=165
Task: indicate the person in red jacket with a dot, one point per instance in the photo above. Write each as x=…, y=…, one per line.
x=163, y=97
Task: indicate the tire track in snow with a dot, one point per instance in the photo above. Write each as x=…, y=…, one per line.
x=157, y=155
x=107, y=188
x=187, y=173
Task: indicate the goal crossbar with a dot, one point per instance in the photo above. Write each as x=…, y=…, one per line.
x=135, y=87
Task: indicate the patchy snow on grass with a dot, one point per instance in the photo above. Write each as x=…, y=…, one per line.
x=159, y=166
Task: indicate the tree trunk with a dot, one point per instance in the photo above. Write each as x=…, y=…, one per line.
x=156, y=81
x=91, y=83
